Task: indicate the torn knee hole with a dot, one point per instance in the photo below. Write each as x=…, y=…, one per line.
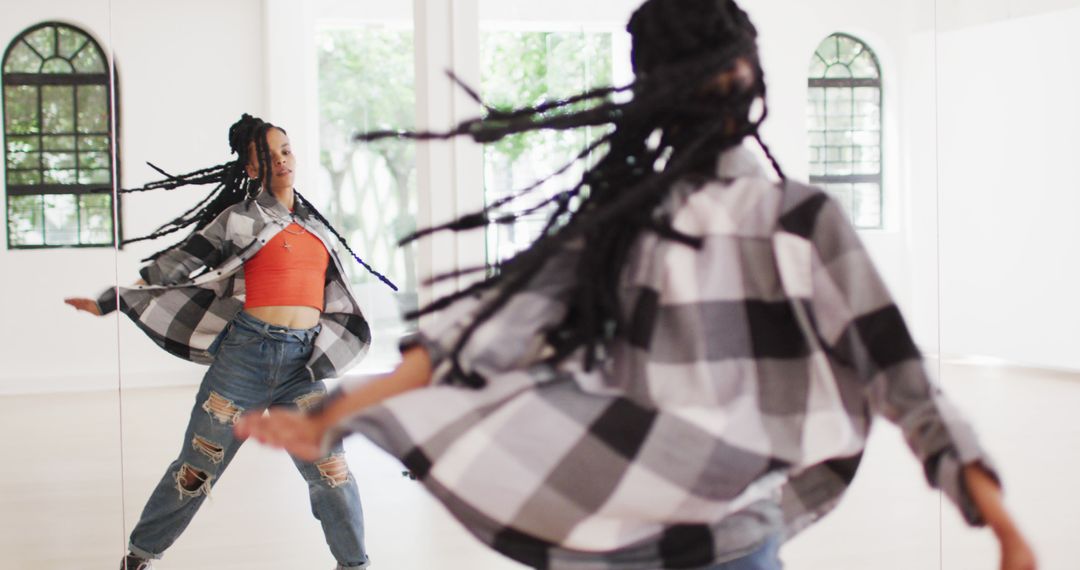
x=308, y=401
x=192, y=482
x=213, y=451
x=222, y=409
x=334, y=470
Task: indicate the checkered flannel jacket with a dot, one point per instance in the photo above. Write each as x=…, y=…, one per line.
x=748, y=376
x=194, y=290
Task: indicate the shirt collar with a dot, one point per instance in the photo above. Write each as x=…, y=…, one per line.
x=738, y=162
x=267, y=200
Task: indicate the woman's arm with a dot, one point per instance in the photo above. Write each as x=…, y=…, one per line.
x=1016, y=554
x=303, y=435
x=90, y=305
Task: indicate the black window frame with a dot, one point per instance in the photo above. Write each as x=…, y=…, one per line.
x=112, y=109
x=852, y=83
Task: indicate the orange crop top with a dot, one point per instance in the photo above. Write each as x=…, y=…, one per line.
x=290, y=270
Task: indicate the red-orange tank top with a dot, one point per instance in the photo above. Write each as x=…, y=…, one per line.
x=290, y=270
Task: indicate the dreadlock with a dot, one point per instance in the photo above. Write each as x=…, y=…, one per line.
x=232, y=186
x=697, y=81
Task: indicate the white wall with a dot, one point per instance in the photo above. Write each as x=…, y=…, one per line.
x=184, y=77
x=1008, y=120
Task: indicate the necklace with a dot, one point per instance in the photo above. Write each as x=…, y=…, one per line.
x=285, y=223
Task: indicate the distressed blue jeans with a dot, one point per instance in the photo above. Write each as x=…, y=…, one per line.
x=257, y=365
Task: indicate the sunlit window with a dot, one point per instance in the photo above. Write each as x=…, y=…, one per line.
x=844, y=124
x=57, y=139
x=523, y=69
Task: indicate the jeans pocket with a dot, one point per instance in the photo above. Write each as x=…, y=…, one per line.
x=215, y=346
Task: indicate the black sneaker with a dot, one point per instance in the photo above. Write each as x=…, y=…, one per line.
x=132, y=562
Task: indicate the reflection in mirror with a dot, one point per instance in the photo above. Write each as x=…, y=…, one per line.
x=868, y=99
x=60, y=482
x=1007, y=92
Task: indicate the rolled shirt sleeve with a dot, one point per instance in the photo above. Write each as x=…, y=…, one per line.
x=863, y=328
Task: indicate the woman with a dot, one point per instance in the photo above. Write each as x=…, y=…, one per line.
x=682, y=370
x=257, y=292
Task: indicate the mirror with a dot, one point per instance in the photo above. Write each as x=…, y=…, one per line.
x=943, y=127
x=61, y=479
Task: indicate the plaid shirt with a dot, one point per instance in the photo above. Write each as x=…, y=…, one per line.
x=184, y=313
x=736, y=404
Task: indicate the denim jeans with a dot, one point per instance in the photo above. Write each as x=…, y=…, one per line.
x=766, y=557
x=257, y=365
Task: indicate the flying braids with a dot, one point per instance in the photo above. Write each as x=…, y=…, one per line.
x=232, y=186
x=697, y=81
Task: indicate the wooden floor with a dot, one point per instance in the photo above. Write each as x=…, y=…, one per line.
x=70, y=492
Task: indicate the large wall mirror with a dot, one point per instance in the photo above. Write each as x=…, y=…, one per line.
x=944, y=128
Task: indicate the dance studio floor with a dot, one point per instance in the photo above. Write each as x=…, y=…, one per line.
x=65, y=502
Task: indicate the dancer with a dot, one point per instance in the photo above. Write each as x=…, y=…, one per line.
x=682, y=370
x=256, y=291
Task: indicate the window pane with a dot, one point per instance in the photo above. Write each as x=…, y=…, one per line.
x=94, y=160
x=58, y=160
x=58, y=108
x=95, y=213
x=848, y=49
x=57, y=65
x=22, y=59
x=526, y=68
x=94, y=177
x=61, y=219
x=817, y=68
x=22, y=143
x=70, y=41
x=864, y=66
x=866, y=206
x=23, y=177
x=94, y=143
x=21, y=110
x=828, y=51
x=59, y=176
x=24, y=160
x=838, y=71
x=25, y=222
x=58, y=142
x=89, y=60
x=366, y=82
x=93, y=109
x=43, y=41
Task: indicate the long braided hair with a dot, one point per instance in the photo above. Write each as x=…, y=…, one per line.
x=698, y=89
x=232, y=186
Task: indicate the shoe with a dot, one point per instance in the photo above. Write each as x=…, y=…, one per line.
x=132, y=562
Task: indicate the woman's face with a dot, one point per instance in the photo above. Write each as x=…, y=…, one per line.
x=282, y=160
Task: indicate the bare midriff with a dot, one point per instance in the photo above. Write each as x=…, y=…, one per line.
x=286, y=316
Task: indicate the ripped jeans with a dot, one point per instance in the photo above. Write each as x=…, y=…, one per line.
x=257, y=365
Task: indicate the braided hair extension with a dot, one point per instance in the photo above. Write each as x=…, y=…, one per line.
x=697, y=81
x=232, y=186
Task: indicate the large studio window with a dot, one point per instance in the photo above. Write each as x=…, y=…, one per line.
x=844, y=125
x=526, y=68
x=57, y=101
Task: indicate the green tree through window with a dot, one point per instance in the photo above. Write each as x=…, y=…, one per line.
x=528, y=68
x=57, y=139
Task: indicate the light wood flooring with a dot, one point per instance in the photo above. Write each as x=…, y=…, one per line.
x=70, y=492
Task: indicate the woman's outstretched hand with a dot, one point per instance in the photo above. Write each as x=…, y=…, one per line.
x=83, y=304
x=296, y=433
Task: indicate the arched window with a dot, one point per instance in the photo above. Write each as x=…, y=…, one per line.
x=57, y=139
x=844, y=124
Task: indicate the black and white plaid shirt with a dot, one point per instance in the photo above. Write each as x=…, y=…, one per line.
x=737, y=404
x=184, y=313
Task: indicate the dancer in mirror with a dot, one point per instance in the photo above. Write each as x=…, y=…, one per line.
x=257, y=292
